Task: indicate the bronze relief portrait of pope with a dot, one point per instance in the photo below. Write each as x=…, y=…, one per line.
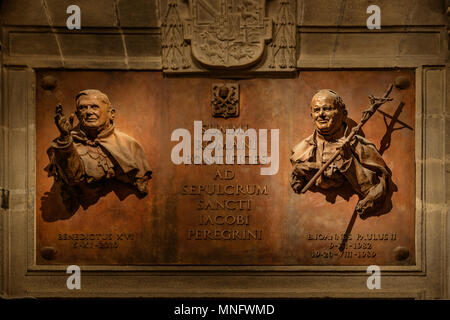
x=357, y=167
x=93, y=158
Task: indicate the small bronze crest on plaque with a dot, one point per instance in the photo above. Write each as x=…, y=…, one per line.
x=225, y=100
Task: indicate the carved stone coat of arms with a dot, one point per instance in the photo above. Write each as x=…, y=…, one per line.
x=228, y=33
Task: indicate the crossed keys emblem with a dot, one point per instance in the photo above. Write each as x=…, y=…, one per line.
x=225, y=100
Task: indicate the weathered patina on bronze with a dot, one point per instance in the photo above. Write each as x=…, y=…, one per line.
x=93, y=158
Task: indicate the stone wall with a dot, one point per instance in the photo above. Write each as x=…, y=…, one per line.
x=127, y=34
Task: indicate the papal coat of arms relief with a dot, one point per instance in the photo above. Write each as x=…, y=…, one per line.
x=228, y=34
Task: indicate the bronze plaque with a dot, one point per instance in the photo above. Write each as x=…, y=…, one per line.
x=200, y=203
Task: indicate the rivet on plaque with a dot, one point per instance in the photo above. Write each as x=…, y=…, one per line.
x=48, y=82
x=401, y=253
x=402, y=82
x=48, y=253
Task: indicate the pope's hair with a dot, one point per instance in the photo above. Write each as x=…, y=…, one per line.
x=337, y=99
x=104, y=98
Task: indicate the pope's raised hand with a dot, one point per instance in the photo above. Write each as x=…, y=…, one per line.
x=64, y=124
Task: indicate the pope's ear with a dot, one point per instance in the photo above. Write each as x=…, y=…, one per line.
x=345, y=113
x=112, y=112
